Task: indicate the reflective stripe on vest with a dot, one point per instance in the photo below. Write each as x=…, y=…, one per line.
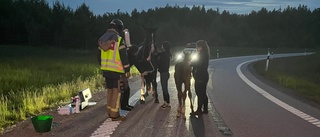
x=110, y=59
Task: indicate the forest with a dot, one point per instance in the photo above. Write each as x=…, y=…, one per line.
x=35, y=23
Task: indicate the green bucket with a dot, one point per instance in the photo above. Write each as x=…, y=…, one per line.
x=42, y=123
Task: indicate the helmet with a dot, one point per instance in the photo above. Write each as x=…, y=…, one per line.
x=118, y=24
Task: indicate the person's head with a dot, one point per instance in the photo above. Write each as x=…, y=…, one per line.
x=117, y=24
x=166, y=45
x=202, y=46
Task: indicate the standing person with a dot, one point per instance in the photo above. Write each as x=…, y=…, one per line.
x=114, y=63
x=164, y=60
x=201, y=76
x=124, y=84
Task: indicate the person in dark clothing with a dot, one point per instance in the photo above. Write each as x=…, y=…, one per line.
x=164, y=60
x=124, y=84
x=114, y=63
x=201, y=76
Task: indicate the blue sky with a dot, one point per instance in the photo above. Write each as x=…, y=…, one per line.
x=233, y=6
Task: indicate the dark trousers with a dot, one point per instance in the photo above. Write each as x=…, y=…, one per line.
x=125, y=91
x=201, y=91
x=164, y=77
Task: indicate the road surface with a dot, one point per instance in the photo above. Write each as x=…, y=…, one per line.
x=240, y=105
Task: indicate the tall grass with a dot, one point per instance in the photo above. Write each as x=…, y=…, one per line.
x=300, y=74
x=35, y=79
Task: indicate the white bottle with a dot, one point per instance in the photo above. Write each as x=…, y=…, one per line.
x=77, y=104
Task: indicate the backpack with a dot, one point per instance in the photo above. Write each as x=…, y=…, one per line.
x=106, y=41
x=105, y=45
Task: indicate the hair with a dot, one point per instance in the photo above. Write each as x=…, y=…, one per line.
x=166, y=46
x=204, y=45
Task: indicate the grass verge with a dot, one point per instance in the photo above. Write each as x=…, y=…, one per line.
x=33, y=80
x=301, y=74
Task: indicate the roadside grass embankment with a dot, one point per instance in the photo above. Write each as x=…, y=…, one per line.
x=300, y=74
x=33, y=80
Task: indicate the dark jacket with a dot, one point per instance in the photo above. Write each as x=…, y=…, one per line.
x=164, y=61
x=200, y=67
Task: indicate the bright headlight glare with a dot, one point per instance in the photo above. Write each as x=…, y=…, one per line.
x=179, y=57
x=194, y=57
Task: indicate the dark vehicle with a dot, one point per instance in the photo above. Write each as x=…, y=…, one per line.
x=190, y=48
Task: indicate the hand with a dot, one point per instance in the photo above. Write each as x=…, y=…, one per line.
x=144, y=73
x=149, y=58
x=128, y=75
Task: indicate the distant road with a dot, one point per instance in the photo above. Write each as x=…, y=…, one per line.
x=250, y=108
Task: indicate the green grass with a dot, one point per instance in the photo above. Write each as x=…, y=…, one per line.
x=33, y=80
x=301, y=74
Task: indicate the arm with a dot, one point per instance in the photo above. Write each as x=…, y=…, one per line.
x=99, y=56
x=124, y=57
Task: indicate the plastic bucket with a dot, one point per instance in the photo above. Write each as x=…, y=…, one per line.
x=42, y=123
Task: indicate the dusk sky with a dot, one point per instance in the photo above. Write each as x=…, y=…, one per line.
x=233, y=6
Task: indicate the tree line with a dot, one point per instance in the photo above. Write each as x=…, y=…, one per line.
x=35, y=23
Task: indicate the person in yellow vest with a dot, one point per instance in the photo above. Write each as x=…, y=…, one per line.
x=114, y=63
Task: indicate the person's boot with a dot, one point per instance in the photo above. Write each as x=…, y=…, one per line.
x=131, y=107
x=120, y=118
x=126, y=108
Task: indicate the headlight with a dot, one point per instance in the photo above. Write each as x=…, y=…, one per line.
x=194, y=57
x=179, y=56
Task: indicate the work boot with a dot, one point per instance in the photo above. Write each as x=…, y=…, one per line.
x=126, y=108
x=131, y=107
x=120, y=118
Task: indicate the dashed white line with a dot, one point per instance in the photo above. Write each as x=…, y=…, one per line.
x=273, y=99
x=108, y=127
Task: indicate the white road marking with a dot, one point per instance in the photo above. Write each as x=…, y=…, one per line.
x=273, y=99
x=108, y=127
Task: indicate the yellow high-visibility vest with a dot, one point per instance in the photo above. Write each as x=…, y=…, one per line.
x=110, y=59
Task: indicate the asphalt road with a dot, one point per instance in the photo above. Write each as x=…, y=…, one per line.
x=240, y=105
x=251, y=108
